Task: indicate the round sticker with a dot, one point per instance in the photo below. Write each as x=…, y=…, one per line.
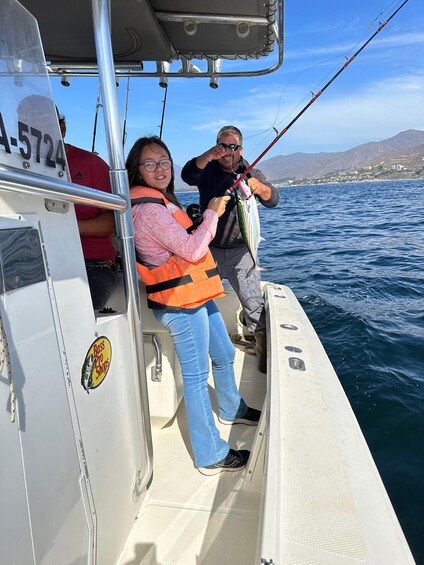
x=96, y=364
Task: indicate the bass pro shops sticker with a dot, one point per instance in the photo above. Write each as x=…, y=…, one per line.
x=96, y=364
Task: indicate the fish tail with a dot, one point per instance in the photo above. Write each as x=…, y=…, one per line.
x=250, y=271
x=255, y=267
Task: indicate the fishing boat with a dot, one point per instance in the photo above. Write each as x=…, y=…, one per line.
x=96, y=461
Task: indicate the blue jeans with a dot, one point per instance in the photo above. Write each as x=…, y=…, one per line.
x=197, y=334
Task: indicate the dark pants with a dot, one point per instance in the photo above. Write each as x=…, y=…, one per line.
x=102, y=279
x=236, y=266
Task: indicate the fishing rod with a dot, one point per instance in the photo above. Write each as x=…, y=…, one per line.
x=98, y=105
x=124, y=128
x=163, y=111
x=314, y=97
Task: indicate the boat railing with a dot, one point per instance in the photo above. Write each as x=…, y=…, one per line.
x=44, y=187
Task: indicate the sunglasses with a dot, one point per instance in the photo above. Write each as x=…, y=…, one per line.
x=151, y=166
x=231, y=146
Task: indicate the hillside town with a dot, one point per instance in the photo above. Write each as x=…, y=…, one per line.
x=382, y=172
x=399, y=157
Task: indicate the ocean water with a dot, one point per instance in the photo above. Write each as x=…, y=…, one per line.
x=354, y=256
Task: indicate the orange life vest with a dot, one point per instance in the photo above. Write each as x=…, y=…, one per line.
x=177, y=283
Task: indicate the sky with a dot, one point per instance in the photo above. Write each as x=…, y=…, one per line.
x=380, y=94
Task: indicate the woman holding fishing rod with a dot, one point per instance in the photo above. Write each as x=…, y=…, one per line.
x=181, y=281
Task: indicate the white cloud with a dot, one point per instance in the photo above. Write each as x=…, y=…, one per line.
x=379, y=111
x=335, y=122
x=402, y=40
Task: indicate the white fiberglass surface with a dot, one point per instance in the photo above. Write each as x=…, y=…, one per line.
x=189, y=518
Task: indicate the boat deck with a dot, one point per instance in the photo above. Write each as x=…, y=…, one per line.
x=311, y=494
x=188, y=518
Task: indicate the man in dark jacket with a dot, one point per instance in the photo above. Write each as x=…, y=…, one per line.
x=213, y=172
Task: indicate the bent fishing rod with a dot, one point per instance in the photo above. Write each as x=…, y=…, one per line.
x=314, y=97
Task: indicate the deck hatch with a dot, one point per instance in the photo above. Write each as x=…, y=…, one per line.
x=297, y=364
x=289, y=327
x=293, y=349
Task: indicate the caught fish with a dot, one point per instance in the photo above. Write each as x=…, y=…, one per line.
x=87, y=373
x=248, y=217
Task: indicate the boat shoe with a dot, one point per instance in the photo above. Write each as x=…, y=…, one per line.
x=235, y=461
x=251, y=418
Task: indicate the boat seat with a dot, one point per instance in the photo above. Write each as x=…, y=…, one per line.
x=162, y=367
x=163, y=373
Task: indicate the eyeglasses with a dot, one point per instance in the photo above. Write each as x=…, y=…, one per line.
x=151, y=166
x=231, y=146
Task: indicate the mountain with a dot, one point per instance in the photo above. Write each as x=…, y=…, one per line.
x=396, y=157
x=180, y=185
x=400, y=156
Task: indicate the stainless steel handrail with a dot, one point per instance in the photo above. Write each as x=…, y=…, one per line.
x=157, y=368
x=28, y=183
x=120, y=185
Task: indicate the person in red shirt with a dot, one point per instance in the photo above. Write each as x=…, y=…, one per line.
x=96, y=225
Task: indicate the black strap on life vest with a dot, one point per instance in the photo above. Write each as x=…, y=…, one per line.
x=147, y=199
x=177, y=281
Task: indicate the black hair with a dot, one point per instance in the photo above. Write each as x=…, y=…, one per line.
x=133, y=168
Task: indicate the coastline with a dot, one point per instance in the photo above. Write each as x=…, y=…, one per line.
x=322, y=182
x=318, y=181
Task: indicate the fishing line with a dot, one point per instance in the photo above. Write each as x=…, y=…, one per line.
x=269, y=130
x=96, y=115
x=274, y=123
x=318, y=94
x=273, y=128
x=322, y=63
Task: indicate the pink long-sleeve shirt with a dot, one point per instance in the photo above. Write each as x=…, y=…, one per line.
x=157, y=235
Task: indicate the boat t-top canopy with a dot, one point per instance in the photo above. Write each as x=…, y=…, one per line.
x=163, y=32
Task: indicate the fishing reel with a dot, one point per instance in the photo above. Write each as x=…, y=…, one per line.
x=194, y=212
